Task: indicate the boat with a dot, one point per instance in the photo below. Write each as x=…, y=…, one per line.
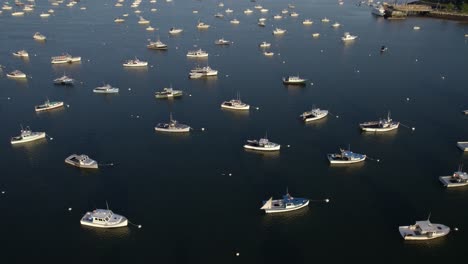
x=378, y=10
x=336, y=25
x=263, y=10
x=457, y=179
x=325, y=20
x=294, y=80
x=347, y=37
x=316, y=35
x=64, y=80
x=143, y=21
x=221, y=4
x=261, y=23
x=222, y=41
x=383, y=49
x=157, y=45
x=219, y=15
x=277, y=17
x=229, y=10
x=44, y=15
x=202, y=25
x=173, y=127
x=65, y=58
x=103, y=218
x=81, y=161
x=268, y=53
x=287, y=204
x=17, y=13
x=174, y=31
x=197, y=54
x=463, y=145
x=258, y=7
x=248, y=11
x=307, y=22
x=345, y=157
x=265, y=44
x=16, y=74
x=7, y=7
x=416, y=28
x=235, y=21
x=135, y=63
x=466, y=35
x=235, y=104
x=106, y=89
x=279, y=31
x=294, y=14
x=48, y=105
x=383, y=125
x=423, y=230
x=284, y=11
x=314, y=114
x=168, y=93
x=21, y=53
x=291, y=6
x=202, y=72
x=39, y=36
x=150, y=28
x=262, y=145
x=262, y=19
x=27, y=136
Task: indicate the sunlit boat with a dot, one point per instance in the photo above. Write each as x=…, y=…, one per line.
x=229, y=10
x=347, y=37
x=19, y=13
x=262, y=145
x=197, y=54
x=265, y=44
x=168, y=93
x=261, y=23
x=202, y=25
x=219, y=15
x=378, y=10
x=307, y=22
x=234, y=21
x=336, y=25
x=284, y=11
x=44, y=15
x=268, y=53
x=174, y=31
x=200, y=72
x=64, y=80
x=106, y=89
x=287, y=204
x=316, y=35
x=157, y=45
x=235, y=104
x=314, y=114
x=16, y=74
x=325, y=20
x=119, y=20
x=222, y=41
x=65, y=58
x=48, y=105
x=102, y=218
x=294, y=14
x=27, y=136
x=263, y=10
x=279, y=31
x=39, y=36
x=248, y=11
x=143, y=21
x=294, y=80
x=21, y=53
x=173, y=127
x=383, y=125
x=345, y=157
x=81, y=161
x=457, y=179
x=277, y=17
x=423, y=230
x=135, y=63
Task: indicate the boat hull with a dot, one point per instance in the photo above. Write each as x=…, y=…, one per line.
x=184, y=130
x=334, y=161
x=244, y=108
x=29, y=139
x=463, y=145
x=309, y=119
x=408, y=234
x=122, y=223
x=261, y=148
x=373, y=129
x=106, y=92
x=49, y=108
x=275, y=211
x=69, y=161
x=447, y=182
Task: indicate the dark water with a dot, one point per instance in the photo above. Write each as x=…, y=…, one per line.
x=178, y=187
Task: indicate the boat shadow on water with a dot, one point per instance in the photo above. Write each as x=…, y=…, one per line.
x=108, y=233
x=265, y=154
x=281, y=218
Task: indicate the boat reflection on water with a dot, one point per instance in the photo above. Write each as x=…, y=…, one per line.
x=107, y=233
x=316, y=123
x=264, y=154
x=273, y=220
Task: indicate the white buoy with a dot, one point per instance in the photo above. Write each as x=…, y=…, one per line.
x=327, y=200
x=289, y=146
x=413, y=128
x=69, y=209
x=407, y=98
x=237, y=254
x=257, y=108
x=455, y=229
x=139, y=226
x=3, y=192
x=203, y=129
x=230, y=174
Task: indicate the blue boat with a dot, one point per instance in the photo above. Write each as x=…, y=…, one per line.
x=346, y=157
x=288, y=203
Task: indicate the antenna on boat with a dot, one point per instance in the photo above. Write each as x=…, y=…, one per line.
x=429, y=216
x=107, y=205
x=170, y=116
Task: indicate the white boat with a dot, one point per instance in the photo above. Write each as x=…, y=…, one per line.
x=157, y=45
x=143, y=21
x=221, y=4
x=81, y=161
x=378, y=10
x=235, y=104
x=307, y=22
x=423, y=230
x=235, y=21
x=50, y=11
x=347, y=37
x=27, y=136
x=258, y=7
x=48, y=105
x=346, y=157
x=44, y=15
x=21, y=53
x=39, y=36
x=416, y=28
x=325, y=20
x=174, y=31
x=284, y=11
x=135, y=63
x=202, y=25
x=263, y=10
x=279, y=31
x=173, y=127
x=463, y=145
x=457, y=179
x=168, y=93
x=336, y=25
x=202, y=72
x=64, y=80
x=314, y=114
x=119, y=20
x=106, y=89
x=17, y=14
x=265, y=44
x=268, y=53
x=7, y=7
x=197, y=54
x=277, y=17
x=65, y=58
x=262, y=19
x=102, y=218
x=150, y=28
x=262, y=145
x=219, y=15
x=222, y=41
x=248, y=11
x=261, y=23
x=294, y=80
x=294, y=14
x=287, y=204
x=16, y=74
x=229, y=10
x=316, y=35
x=383, y=125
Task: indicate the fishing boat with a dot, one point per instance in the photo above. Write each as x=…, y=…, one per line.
x=19, y=13
x=284, y=11
x=457, y=179
x=262, y=145
x=168, y=93
x=287, y=204
x=174, y=31
x=64, y=80
x=27, y=135
x=307, y=22
x=263, y=10
x=383, y=125
x=248, y=11
x=261, y=23
x=345, y=157
x=44, y=15
x=416, y=28
x=102, y=218
x=229, y=10
x=64, y=58
x=135, y=63
x=264, y=45
x=219, y=15
x=172, y=127
x=336, y=25
x=463, y=145
x=202, y=25
x=423, y=230
x=383, y=49
x=294, y=14
x=157, y=45
x=39, y=36
x=316, y=35
x=235, y=104
x=21, y=53
x=325, y=20
x=279, y=31
x=296, y=80
x=268, y=53
x=106, y=89
x=81, y=161
x=143, y=21
x=347, y=37
x=277, y=17
x=222, y=41
x=378, y=11
x=197, y=54
x=235, y=21
x=314, y=114
x=16, y=74
x=150, y=28
x=48, y=105
x=258, y=7
x=200, y=72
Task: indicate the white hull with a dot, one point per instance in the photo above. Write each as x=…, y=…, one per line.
x=273, y=211
x=185, y=130
x=345, y=161
x=106, y=92
x=76, y=164
x=23, y=76
x=121, y=224
x=408, y=234
x=71, y=60
x=463, y=145
x=29, y=139
x=447, y=183
x=49, y=108
x=379, y=129
x=262, y=149
x=235, y=108
x=197, y=56
x=135, y=65
x=315, y=118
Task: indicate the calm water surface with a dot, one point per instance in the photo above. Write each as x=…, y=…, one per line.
x=178, y=187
